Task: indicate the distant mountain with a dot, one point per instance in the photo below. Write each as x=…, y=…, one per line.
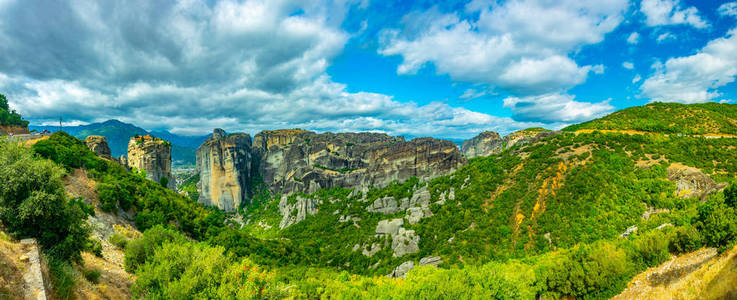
x=119, y=133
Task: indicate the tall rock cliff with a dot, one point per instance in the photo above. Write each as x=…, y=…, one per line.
x=489, y=142
x=152, y=155
x=484, y=144
x=294, y=160
x=98, y=144
x=224, y=164
x=303, y=161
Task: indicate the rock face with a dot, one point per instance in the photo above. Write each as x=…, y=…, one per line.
x=405, y=242
x=484, y=144
x=98, y=144
x=402, y=270
x=294, y=160
x=489, y=142
x=152, y=155
x=303, y=161
x=691, y=182
x=6, y=130
x=297, y=211
x=224, y=164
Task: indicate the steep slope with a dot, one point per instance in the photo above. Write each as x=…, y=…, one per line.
x=692, y=119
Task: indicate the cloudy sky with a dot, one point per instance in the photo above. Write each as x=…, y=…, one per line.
x=416, y=68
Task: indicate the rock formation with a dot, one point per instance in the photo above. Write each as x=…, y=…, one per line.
x=98, y=144
x=303, y=161
x=691, y=182
x=484, y=144
x=489, y=142
x=295, y=160
x=224, y=164
x=6, y=130
x=152, y=155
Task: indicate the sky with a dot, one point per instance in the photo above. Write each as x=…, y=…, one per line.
x=447, y=69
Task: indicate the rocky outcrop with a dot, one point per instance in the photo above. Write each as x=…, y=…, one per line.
x=431, y=261
x=303, y=161
x=152, y=155
x=405, y=242
x=389, y=227
x=691, y=182
x=293, y=213
x=224, y=164
x=6, y=130
x=295, y=160
x=402, y=270
x=484, y=144
x=489, y=143
x=98, y=144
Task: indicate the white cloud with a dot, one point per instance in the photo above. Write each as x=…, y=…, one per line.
x=633, y=38
x=695, y=78
x=628, y=65
x=670, y=12
x=664, y=37
x=503, y=48
x=728, y=9
x=193, y=65
x=555, y=107
x=637, y=78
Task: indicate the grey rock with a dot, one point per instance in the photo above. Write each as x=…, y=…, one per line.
x=405, y=242
x=402, y=270
x=152, y=155
x=389, y=227
x=415, y=214
x=431, y=260
x=484, y=144
x=296, y=212
x=370, y=251
x=630, y=230
x=386, y=205
x=98, y=144
x=691, y=182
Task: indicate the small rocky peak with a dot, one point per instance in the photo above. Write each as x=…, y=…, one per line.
x=98, y=144
x=219, y=133
x=484, y=144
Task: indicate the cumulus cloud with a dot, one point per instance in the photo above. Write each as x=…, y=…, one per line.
x=192, y=65
x=637, y=78
x=502, y=48
x=633, y=38
x=728, y=9
x=695, y=78
x=555, y=107
x=628, y=65
x=670, y=12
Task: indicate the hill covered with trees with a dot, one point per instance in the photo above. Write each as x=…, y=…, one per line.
x=9, y=117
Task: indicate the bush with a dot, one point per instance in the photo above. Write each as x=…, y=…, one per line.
x=118, y=240
x=651, y=249
x=684, y=239
x=717, y=223
x=92, y=275
x=95, y=247
x=62, y=279
x=138, y=251
x=31, y=195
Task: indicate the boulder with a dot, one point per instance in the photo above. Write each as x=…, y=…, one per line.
x=431, y=260
x=402, y=270
x=691, y=182
x=386, y=205
x=389, y=227
x=405, y=242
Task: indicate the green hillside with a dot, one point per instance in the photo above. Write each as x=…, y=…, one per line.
x=704, y=118
x=540, y=220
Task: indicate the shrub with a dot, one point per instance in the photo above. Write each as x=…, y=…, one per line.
x=95, y=247
x=139, y=250
x=92, y=275
x=684, y=239
x=118, y=240
x=62, y=279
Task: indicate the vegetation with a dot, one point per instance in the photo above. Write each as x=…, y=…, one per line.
x=9, y=117
x=692, y=119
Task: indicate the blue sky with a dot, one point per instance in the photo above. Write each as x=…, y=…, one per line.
x=447, y=69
